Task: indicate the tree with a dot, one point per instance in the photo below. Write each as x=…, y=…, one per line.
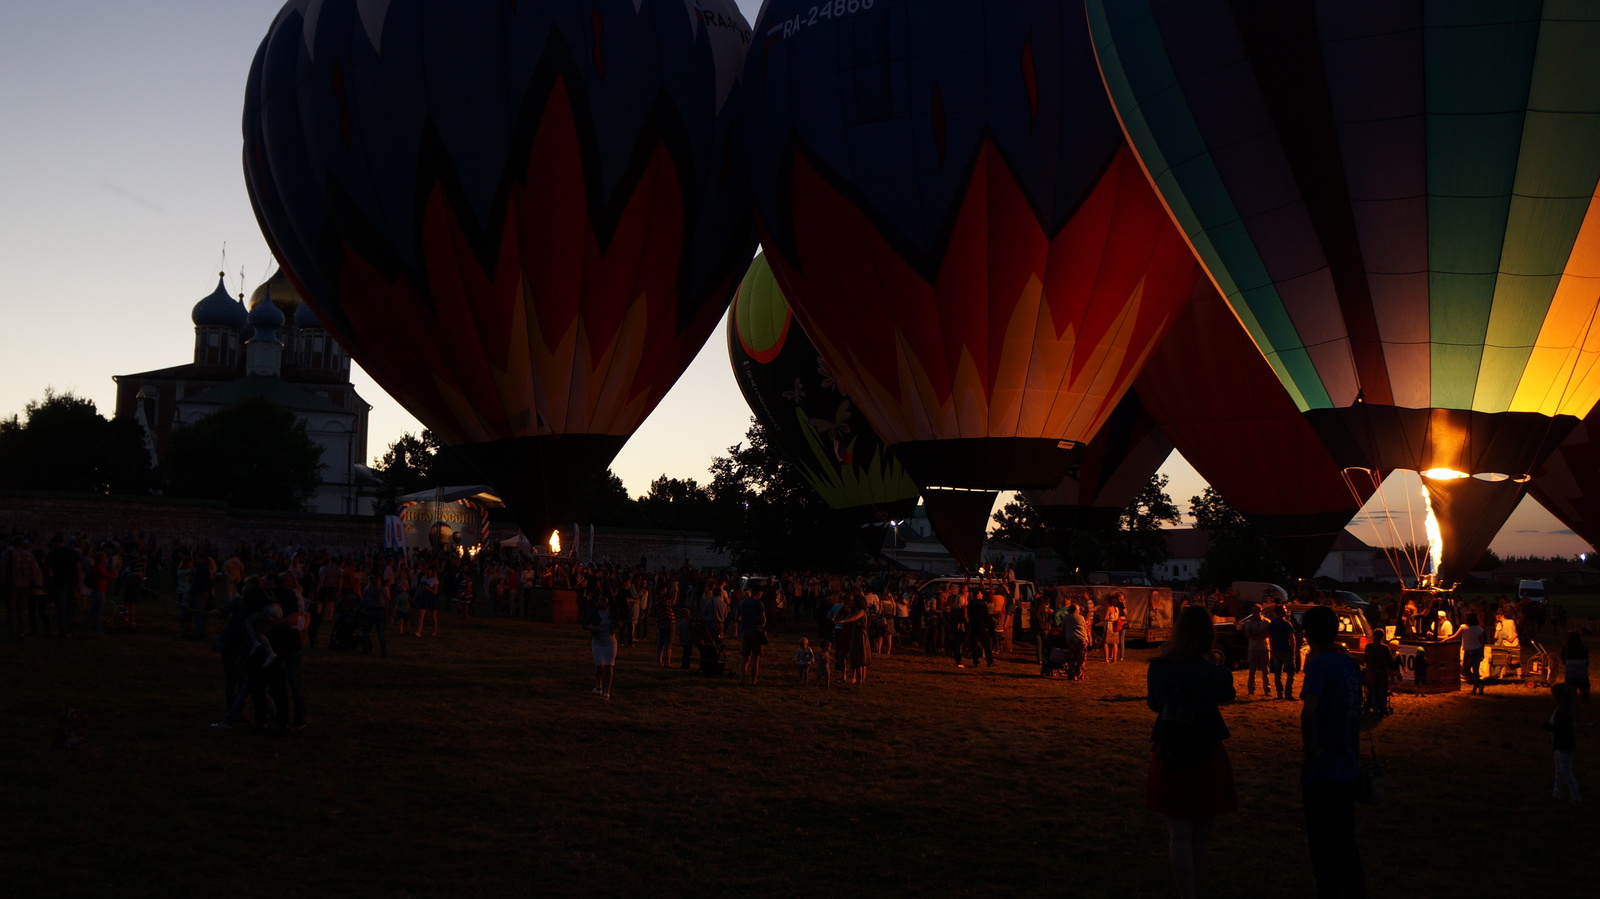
x=1020, y=523
x=65, y=444
x=1236, y=551
x=253, y=454
x=769, y=519
x=1138, y=544
x=677, y=504
x=418, y=462
x=604, y=500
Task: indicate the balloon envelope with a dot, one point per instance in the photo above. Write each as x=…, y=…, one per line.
x=1398, y=200
x=805, y=412
x=1224, y=409
x=1111, y=471
x=944, y=195
x=522, y=219
x=1569, y=483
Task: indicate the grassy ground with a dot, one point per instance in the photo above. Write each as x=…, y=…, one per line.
x=479, y=763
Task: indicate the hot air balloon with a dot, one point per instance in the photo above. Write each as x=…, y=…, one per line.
x=944, y=195
x=1569, y=482
x=1111, y=471
x=799, y=402
x=1219, y=401
x=1397, y=200
x=522, y=219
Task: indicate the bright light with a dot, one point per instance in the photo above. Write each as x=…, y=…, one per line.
x=555, y=543
x=1444, y=474
x=1435, y=535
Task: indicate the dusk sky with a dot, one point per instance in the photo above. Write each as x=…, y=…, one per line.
x=120, y=185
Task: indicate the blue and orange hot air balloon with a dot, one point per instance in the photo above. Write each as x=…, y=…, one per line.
x=945, y=197
x=522, y=219
x=1398, y=198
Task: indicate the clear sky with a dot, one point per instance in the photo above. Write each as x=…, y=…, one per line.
x=120, y=185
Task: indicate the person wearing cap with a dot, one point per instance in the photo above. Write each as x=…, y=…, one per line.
x=1443, y=630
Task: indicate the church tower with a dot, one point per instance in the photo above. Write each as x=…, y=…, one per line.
x=218, y=319
x=263, y=351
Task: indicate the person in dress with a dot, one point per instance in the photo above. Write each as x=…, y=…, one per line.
x=602, y=646
x=1184, y=686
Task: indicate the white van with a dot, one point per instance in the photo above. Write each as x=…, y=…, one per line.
x=1533, y=590
x=1249, y=592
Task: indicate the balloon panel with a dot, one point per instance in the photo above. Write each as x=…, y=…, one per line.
x=1217, y=399
x=1569, y=483
x=1397, y=198
x=1227, y=413
x=1113, y=468
x=522, y=219
x=945, y=198
x=800, y=403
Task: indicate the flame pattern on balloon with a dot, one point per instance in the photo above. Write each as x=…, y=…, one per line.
x=963, y=233
x=522, y=219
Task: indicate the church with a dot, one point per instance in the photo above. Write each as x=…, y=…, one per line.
x=274, y=348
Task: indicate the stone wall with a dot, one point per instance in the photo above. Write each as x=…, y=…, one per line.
x=659, y=549
x=189, y=521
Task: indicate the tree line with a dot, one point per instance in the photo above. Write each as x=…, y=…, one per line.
x=254, y=454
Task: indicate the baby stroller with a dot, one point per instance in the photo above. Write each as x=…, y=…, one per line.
x=713, y=658
x=346, y=631
x=1063, y=658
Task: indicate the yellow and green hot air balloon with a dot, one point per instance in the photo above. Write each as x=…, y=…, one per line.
x=805, y=412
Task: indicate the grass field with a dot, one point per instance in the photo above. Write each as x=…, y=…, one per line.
x=478, y=763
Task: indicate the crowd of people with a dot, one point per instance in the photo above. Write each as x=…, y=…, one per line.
x=274, y=603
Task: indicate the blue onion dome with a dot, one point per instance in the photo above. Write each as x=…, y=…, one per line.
x=265, y=320
x=219, y=310
x=278, y=290
x=305, y=318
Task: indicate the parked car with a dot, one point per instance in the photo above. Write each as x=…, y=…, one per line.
x=1354, y=630
x=1533, y=590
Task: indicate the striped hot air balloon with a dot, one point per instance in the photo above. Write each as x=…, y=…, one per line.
x=1398, y=199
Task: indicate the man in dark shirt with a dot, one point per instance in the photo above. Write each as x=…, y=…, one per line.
x=1330, y=722
x=1284, y=655
x=375, y=610
x=61, y=564
x=752, y=636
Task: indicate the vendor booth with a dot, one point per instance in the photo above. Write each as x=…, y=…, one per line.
x=446, y=518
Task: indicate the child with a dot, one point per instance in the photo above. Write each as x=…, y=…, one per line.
x=1564, y=740
x=402, y=608
x=803, y=658
x=824, y=665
